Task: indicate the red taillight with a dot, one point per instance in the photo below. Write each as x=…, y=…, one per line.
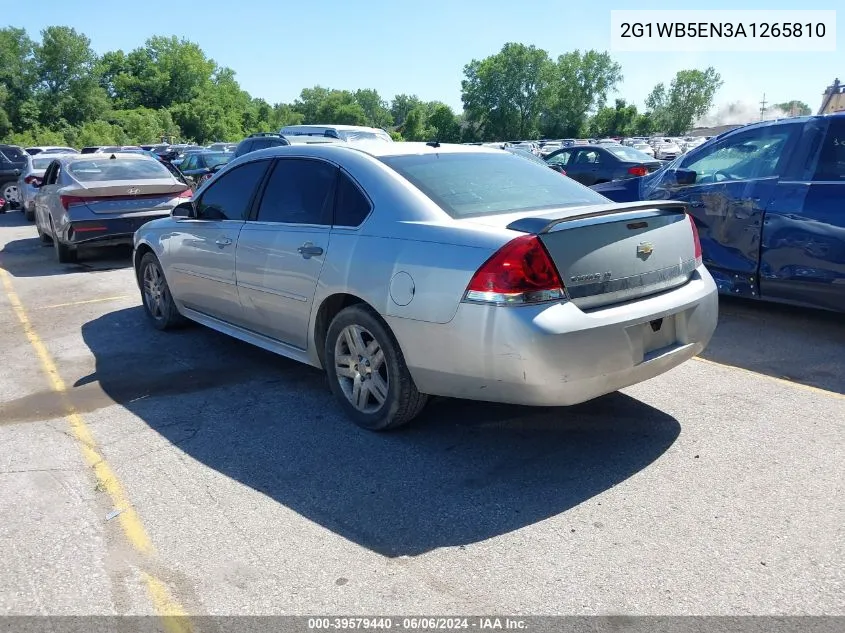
x=69, y=200
x=186, y=194
x=30, y=180
x=697, y=242
x=518, y=273
x=639, y=170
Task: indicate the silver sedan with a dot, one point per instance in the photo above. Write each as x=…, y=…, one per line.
x=413, y=269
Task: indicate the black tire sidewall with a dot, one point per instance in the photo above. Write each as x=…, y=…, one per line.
x=359, y=315
x=170, y=314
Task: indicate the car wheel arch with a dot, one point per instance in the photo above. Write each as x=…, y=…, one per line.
x=329, y=308
x=142, y=249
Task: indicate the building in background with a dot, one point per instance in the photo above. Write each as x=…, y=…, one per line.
x=833, y=99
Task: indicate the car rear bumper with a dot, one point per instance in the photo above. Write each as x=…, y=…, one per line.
x=107, y=232
x=557, y=354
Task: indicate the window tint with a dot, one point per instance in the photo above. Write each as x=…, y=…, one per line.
x=13, y=154
x=351, y=206
x=229, y=197
x=243, y=148
x=831, y=163
x=189, y=163
x=755, y=154
x=471, y=184
x=299, y=191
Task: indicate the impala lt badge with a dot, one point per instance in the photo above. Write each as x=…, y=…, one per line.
x=644, y=249
x=590, y=278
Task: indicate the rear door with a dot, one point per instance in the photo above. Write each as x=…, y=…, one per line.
x=281, y=250
x=45, y=196
x=584, y=166
x=735, y=180
x=201, y=250
x=803, y=245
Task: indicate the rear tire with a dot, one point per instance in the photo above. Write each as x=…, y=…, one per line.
x=42, y=236
x=367, y=371
x=64, y=253
x=155, y=295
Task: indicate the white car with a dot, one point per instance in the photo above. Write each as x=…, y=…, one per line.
x=645, y=148
x=31, y=176
x=667, y=151
x=50, y=149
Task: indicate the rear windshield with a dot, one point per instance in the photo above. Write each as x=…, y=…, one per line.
x=42, y=163
x=357, y=136
x=628, y=153
x=220, y=158
x=117, y=169
x=474, y=184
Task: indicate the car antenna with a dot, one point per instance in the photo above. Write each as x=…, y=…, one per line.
x=433, y=143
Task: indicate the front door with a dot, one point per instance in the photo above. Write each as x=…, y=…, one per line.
x=282, y=250
x=734, y=182
x=201, y=251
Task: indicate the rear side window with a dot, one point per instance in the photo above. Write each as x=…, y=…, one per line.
x=229, y=196
x=98, y=169
x=13, y=154
x=243, y=148
x=299, y=192
x=351, y=206
x=474, y=184
x=831, y=163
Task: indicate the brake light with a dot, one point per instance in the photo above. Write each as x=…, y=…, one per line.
x=30, y=180
x=639, y=170
x=519, y=273
x=186, y=194
x=69, y=200
x=696, y=240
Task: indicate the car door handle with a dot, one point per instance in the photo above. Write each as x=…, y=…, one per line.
x=308, y=250
x=223, y=241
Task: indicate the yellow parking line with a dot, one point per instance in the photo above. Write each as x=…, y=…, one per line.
x=79, y=303
x=175, y=618
x=783, y=381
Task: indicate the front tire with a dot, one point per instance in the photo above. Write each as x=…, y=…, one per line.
x=367, y=371
x=155, y=295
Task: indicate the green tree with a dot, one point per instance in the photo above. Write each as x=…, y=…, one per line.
x=67, y=86
x=580, y=85
x=688, y=98
x=444, y=125
x=620, y=120
x=506, y=92
x=375, y=108
x=309, y=102
x=414, y=128
x=342, y=108
x=401, y=106
x=18, y=78
x=794, y=108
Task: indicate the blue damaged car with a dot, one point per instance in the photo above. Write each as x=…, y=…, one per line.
x=769, y=203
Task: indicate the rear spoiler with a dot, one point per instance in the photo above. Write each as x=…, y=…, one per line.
x=540, y=225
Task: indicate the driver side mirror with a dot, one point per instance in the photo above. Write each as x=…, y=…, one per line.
x=682, y=177
x=184, y=210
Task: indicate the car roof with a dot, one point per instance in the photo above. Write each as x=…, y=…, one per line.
x=329, y=126
x=71, y=158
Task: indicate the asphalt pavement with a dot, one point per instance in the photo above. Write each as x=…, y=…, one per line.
x=146, y=472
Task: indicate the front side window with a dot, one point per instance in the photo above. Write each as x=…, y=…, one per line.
x=561, y=158
x=831, y=163
x=587, y=157
x=754, y=154
x=229, y=197
x=470, y=184
x=299, y=191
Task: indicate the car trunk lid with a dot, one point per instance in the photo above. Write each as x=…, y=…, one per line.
x=126, y=197
x=618, y=252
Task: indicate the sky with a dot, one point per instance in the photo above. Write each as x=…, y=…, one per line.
x=278, y=48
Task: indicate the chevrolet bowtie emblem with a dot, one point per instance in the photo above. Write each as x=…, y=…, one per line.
x=644, y=249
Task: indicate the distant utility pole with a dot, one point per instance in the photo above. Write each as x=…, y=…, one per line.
x=763, y=106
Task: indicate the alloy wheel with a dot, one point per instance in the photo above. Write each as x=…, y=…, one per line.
x=361, y=369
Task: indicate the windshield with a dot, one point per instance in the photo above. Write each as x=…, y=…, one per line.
x=475, y=184
x=117, y=169
x=628, y=153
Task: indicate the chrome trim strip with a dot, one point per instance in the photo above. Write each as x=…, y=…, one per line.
x=626, y=288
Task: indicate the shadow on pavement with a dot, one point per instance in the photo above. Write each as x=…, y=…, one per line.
x=798, y=344
x=30, y=258
x=464, y=472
